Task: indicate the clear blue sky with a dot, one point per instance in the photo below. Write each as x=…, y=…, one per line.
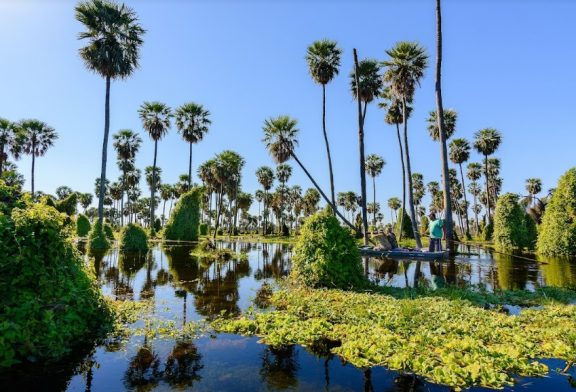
x=507, y=65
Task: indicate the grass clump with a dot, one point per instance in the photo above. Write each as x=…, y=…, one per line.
x=184, y=221
x=133, y=238
x=82, y=225
x=446, y=341
x=326, y=255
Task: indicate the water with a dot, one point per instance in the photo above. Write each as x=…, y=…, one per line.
x=184, y=288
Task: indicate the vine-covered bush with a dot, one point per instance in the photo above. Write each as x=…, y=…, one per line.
x=510, y=231
x=49, y=300
x=407, y=231
x=68, y=204
x=109, y=231
x=9, y=197
x=326, y=255
x=133, y=238
x=424, y=226
x=558, y=229
x=488, y=232
x=82, y=225
x=97, y=240
x=183, y=223
x=203, y=228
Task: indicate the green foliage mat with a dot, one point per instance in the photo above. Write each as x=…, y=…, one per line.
x=446, y=341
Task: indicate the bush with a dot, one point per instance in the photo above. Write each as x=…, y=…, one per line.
x=424, y=226
x=327, y=255
x=133, y=238
x=203, y=229
x=510, y=231
x=68, y=204
x=82, y=225
x=109, y=231
x=9, y=197
x=487, y=232
x=97, y=240
x=49, y=300
x=183, y=223
x=558, y=229
x=407, y=231
x=157, y=225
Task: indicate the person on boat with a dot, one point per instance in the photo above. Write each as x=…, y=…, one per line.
x=436, y=233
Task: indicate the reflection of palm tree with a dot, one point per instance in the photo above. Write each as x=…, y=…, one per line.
x=279, y=367
x=183, y=365
x=143, y=371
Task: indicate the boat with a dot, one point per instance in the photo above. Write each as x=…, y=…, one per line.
x=402, y=253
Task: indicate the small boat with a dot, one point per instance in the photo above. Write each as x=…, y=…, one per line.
x=401, y=253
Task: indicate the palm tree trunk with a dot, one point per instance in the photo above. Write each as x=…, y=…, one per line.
x=190, y=169
x=33, y=164
x=164, y=212
x=374, y=201
x=361, y=147
x=403, y=181
x=264, y=215
x=104, y=152
x=487, y=187
x=327, y=144
x=440, y=116
x=476, y=216
x=153, y=187
x=465, y=202
x=218, y=210
x=409, y=177
x=1, y=159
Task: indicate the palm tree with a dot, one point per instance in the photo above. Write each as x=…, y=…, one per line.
x=474, y=173
x=85, y=200
x=114, y=40
x=394, y=204
x=192, y=121
x=486, y=142
x=533, y=186
x=35, y=138
x=323, y=58
x=165, y=195
x=283, y=173
x=405, y=69
x=155, y=118
x=450, y=117
x=374, y=165
x=8, y=142
x=127, y=143
x=280, y=138
x=460, y=153
x=265, y=177
x=365, y=84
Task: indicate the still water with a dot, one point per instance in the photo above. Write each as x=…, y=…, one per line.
x=184, y=288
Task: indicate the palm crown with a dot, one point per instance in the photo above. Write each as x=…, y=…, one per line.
x=36, y=137
x=283, y=172
x=474, y=171
x=450, y=117
x=192, y=121
x=459, y=151
x=369, y=80
x=374, y=165
x=487, y=141
x=127, y=143
x=280, y=137
x=405, y=68
x=323, y=58
x=534, y=186
x=265, y=177
x=155, y=118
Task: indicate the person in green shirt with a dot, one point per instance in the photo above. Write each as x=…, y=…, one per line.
x=436, y=227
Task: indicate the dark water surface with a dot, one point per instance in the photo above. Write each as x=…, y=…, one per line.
x=184, y=288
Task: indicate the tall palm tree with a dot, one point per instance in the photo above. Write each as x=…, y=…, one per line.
x=474, y=173
x=374, y=165
x=486, y=142
x=323, y=58
x=450, y=117
x=460, y=153
x=165, y=195
x=155, y=118
x=533, y=186
x=283, y=173
x=280, y=138
x=404, y=70
x=35, y=138
x=365, y=84
x=192, y=121
x=8, y=141
x=114, y=40
x=394, y=204
x=127, y=143
x=265, y=177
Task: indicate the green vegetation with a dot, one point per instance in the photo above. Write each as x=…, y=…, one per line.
x=406, y=222
x=183, y=223
x=558, y=230
x=203, y=229
x=109, y=231
x=449, y=342
x=326, y=255
x=97, y=238
x=50, y=301
x=511, y=225
x=68, y=204
x=82, y=225
x=133, y=238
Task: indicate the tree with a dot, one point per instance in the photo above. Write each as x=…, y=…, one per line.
x=114, y=40
x=63, y=192
x=192, y=121
x=374, y=165
x=450, y=117
x=126, y=143
x=486, y=142
x=165, y=195
x=265, y=177
x=534, y=187
x=85, y=200
x=280, y=138
x=474, y=173
x=460, y=153
x=283, y=173
x=35, y=138
x=8, y=142
x=404, y=70
x=323, y=58
x=155, y=118
x=394, y=204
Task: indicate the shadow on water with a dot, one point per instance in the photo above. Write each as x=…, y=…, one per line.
x=186, y=288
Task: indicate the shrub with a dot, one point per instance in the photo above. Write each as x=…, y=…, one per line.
x=424, y=226
x=407, y=231
x=82, y=225
x=109, y=231
x=510, y=231
x=68, y=204
x=157, y=225
x=183, y=223
x=49, y=300
x=558, y=230
x=133, y=238
x=487, y=232
x=327, y=255
x=203, y=229
x=97, y=240
x=9, y=197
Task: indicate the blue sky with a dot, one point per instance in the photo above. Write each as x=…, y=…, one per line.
x=507, y=65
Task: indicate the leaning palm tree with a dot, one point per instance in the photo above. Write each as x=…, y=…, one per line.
x=533, y=186
x=114, y=40
x=460, y=153
x=450, y=117
x=35, y=138
x=374, y=165
x=404, y=70
x=486, y=142
x=155, y=118
x=265, y=177
x=8, y=141
x=323, y=58
x=192, y=121
x=280, y=138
